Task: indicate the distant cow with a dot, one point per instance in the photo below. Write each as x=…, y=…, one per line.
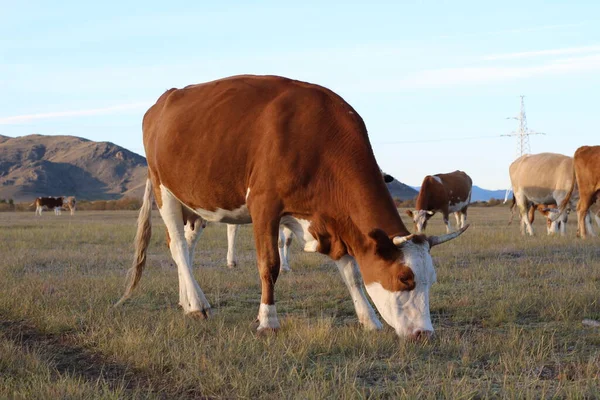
x=51, y=203
x=268, y=150
x=55, y=203
x=545, y=178
x=446, y=193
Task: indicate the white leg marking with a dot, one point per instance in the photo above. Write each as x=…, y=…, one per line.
x=231, y=235
x=193, y=298
x=267, y=317
x=463, y=220
x=351, y=276
x=457, y=217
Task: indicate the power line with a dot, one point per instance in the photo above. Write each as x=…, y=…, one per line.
x=449, y=139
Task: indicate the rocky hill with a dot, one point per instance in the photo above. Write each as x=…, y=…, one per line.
x=38, y=165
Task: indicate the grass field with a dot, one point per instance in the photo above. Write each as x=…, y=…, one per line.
x=507, y=311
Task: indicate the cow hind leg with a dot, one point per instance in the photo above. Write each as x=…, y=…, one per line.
x=353, y=280
x=231, y=236
x=524, y=211
x=583, y=207
x=193, y=301
x=457, y=217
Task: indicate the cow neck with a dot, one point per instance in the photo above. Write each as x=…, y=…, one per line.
x=359, y=209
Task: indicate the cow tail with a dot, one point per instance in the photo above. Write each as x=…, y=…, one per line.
x=562, y=208
x=142, y=239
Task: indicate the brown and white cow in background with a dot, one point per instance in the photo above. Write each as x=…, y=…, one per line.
x=268, y=150
x=55, y=203
x=285, y=240
x=587, y=175
x=51, y=203
x=545, y=178
x=445, y=193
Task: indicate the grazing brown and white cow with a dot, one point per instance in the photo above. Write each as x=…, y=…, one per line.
x=446, y=193
x=268, y=150
x=545, y=178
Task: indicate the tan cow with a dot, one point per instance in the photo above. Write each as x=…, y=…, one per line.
x=587, y=171
x=545, y=178
x=271, y=151
x=446, y=193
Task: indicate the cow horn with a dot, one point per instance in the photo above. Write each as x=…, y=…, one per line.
x=399, y=240
x=435, y=240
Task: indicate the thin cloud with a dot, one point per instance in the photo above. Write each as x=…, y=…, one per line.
x=516, y=30
x=17, y=119
x=465, y=76
x=539, y=53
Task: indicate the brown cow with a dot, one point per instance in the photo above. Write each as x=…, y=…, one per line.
x=446, y=193
x=271, y=151
x=587, y=172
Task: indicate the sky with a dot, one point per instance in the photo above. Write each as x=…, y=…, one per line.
x=435, y=81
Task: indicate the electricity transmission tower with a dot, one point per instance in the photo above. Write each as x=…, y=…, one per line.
x=522, y=134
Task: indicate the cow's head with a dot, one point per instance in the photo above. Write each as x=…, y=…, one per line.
x=420, y=218
x=400, y=282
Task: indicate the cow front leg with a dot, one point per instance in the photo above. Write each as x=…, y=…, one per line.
x=583, y=207
x=285, y=241
x=353, y=280
x=231, y=236
x=457, y=217
x=191, y=297
x=588, y=224
x=446, y=218
x=266, y=234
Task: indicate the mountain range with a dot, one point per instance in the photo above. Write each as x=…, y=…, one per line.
x=40, y=165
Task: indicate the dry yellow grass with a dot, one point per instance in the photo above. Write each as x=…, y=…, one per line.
x=507, y=312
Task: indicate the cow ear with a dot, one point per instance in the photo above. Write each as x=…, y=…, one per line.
x=384, y=247
x=409, y=213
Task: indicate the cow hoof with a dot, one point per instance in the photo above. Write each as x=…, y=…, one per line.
x=199, y=314
x=285, y=269
x=231, y=265
x=266, y=332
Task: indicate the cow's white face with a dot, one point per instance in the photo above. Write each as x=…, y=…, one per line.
x=420, y=218
x=407, y=311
